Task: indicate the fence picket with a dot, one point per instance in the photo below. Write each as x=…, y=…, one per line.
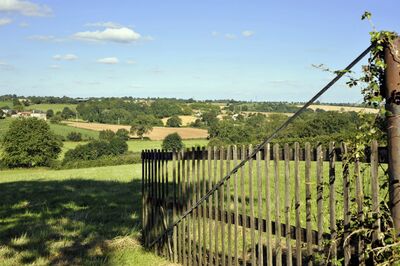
x=297, y=203
x=346, y=205
x=221, y=203
x=210, y=206
x=308, y=203
x=320, y=200
x=278, y=233
x=287, y=206
x=259, y=205
x=268, y=204
x=359, y=199
x=375, y=189
x=236, y=207
x=243, y=201
x=216, y=206
x=194, y=212
x=204, y=207
x=174, y=207
x=251, y=199
x=228, y=205
x=332, y=202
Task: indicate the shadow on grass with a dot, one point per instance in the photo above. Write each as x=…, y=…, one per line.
x=67, y=222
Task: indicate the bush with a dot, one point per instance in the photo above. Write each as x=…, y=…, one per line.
x=174, y=121
x=172, y=142
x=55, y=119
x=29, y=142
x=106, y=135
x=74, y=136
x=122, y=134
x=118, y=146
x=129, y=158
x=49, y=113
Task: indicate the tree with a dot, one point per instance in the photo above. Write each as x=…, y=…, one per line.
x=74, y=136
x=141, y=126
x=172, y=142
x=2, y=114
x=56, y=119
x=29, y=142
x=67, y=113
x=174, y=121
x=107, y=135
x=49, y=113
x=122, y=134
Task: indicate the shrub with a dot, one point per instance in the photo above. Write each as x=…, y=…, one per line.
x=106, y=135
x=49, y=113
x=129, y=158
x=55, y=119
x=174, y=121
x=29, y=142
x=118, y=146
x=74, y=136
x=172, y=142
x=67, y=113
x=122, y=134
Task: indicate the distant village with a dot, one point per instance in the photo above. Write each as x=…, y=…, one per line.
x=9, y=112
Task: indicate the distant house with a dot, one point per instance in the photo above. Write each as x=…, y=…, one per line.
x=37, y=114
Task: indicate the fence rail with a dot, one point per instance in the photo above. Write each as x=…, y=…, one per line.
x=282, y=208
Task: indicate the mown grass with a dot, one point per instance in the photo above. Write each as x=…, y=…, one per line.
x=72, y=217
x=56, y=107
x=64, y=130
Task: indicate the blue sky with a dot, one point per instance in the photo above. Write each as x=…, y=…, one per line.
x=249, y=50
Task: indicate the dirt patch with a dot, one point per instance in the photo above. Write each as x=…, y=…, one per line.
x=158, y=133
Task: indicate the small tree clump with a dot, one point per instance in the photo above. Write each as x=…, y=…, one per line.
x=107, y=135
x=122, y=134
x=173, y=142
x=174, y=121
x=74, y=136
x=30, y=142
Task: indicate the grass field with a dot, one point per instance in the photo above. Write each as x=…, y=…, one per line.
x=72, y=217
x=55, y=107
x=343, y=108
x=9, y=104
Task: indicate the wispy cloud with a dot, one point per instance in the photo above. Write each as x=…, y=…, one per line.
x=5, y=66
x=45, y=38
x=5, y=21
x=119, y=35
x=67, y=57
x=55, y=67
x=247, y=33
x=230, y=36
x=130, y=62
x=109, y=24
x=24, y=24
x=26, y=8
x=108, y=60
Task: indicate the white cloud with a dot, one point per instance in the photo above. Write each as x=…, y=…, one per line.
x=109, y=24
x=5, y=66
x=108, y=60
x=67, y=57
x=247, y=33
x=45, y=38
x=230, y=36
x=26, y=8
x=5, y=21
x=121, y=35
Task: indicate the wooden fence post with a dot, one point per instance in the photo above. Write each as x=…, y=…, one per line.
x=392, y=93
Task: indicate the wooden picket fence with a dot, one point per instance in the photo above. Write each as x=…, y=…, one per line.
x=282, y=208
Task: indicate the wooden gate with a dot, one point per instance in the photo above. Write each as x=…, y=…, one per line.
x=283, y=208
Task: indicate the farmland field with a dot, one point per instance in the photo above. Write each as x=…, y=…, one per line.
x=158, y=133
x=342, y=108
x=186, y=119
x=72, y=217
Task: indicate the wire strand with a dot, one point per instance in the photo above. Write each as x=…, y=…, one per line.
x=260, y=146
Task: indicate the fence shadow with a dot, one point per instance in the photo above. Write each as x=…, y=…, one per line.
x=66, y=222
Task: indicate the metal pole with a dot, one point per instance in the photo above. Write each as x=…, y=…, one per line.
x=392, y=93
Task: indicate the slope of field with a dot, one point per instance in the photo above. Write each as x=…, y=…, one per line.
x=55, y=107
x=158, y=133
x=342, y=108
x=72, y=217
